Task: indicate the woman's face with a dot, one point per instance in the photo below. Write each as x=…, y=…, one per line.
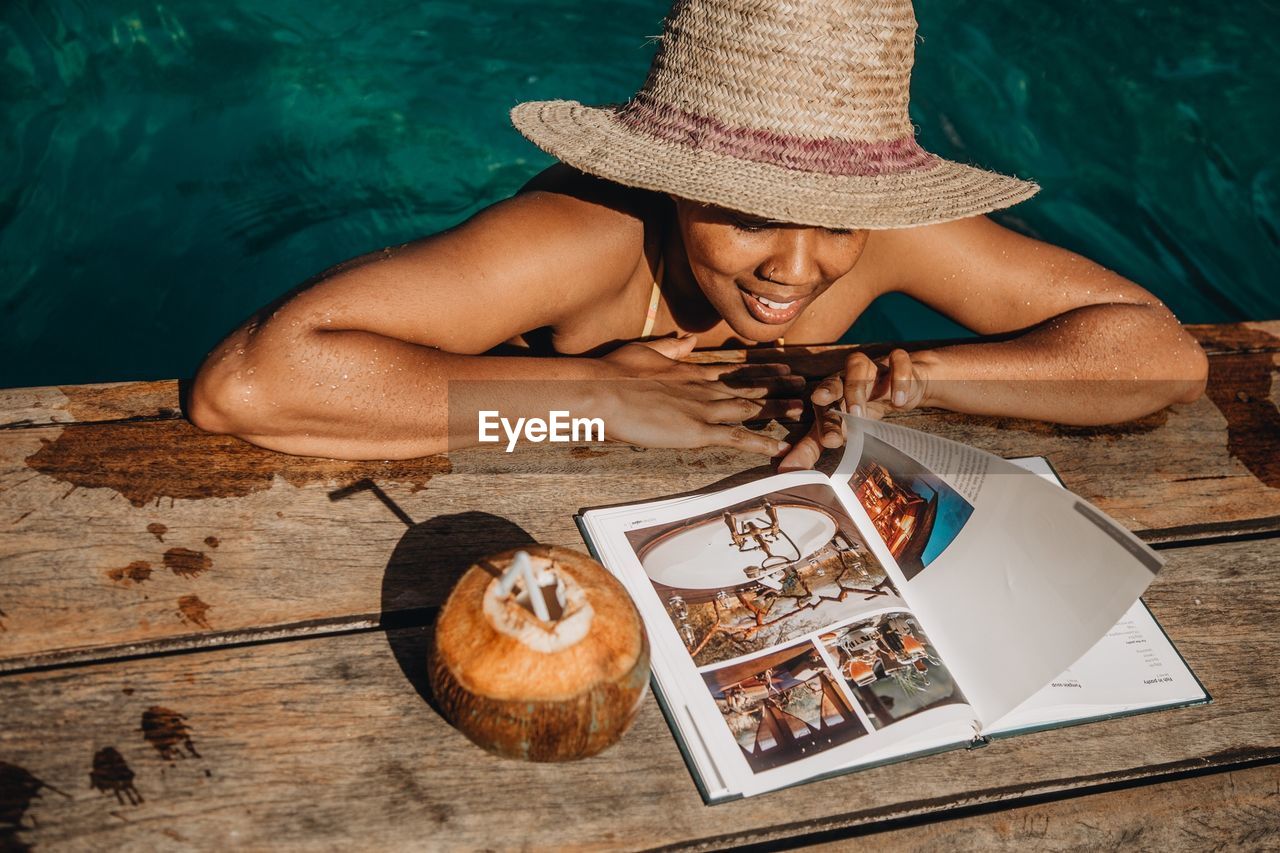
x=759, y=274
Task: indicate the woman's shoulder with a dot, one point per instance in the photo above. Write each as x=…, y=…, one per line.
x=594, y=209
x=572, y=186
x=567, y=224
x=563, y=254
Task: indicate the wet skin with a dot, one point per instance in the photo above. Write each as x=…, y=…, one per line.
x=361, y=361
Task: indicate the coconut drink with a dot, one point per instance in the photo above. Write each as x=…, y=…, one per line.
x=540, y=654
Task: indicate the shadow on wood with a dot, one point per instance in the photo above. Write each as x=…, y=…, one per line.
x=427, y=561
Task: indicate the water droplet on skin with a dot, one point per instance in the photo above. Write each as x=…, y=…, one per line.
x=240, y=352
x=252, y=370
x=333, y=387
x=344, y=376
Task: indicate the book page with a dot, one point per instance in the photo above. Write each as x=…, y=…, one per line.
x=776, y=634
x=1015, y=578
x=1133, y=667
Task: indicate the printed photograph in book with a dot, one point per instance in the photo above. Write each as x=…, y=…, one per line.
x=783, y=706
x=889, y=665
x=761, y=572
x=915, y=512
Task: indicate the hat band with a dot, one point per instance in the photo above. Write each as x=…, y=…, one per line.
x=828, y=156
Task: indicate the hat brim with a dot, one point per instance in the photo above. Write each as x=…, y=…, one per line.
x=592, y=140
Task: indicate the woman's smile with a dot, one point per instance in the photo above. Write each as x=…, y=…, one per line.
x=774, y=311
x=759, y=275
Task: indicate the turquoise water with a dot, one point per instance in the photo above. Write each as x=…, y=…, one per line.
x=167, y=169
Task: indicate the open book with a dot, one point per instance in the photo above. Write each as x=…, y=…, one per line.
x=925, y=596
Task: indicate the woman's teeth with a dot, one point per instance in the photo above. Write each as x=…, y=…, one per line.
x=770, y=310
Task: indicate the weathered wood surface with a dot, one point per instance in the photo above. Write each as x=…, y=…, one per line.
x=195, y=540
x=145, y=533
x=327, y=741
x=1234, y=810
x=229, y=543
x=100, y=403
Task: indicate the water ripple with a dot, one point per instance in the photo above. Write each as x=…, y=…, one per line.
x=166, y=168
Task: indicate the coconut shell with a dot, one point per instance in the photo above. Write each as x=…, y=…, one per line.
x=541, y=691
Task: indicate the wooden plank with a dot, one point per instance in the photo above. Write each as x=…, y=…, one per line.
x=1263, y=336
x=25, y=407
x=328, y=742
x=158, y=533
x=65, y=404
x=1233, y=810
x=121, y=535
x=126, y=534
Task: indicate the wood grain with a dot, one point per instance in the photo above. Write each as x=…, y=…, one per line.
x=100, y=403
x=112, y=528
x=255, y=542
x=145, y=534
x=328, y=742
x=1232, y=810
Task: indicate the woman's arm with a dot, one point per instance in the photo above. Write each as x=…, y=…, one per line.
x=1084, y=345
x=383, y=357
x=1078, y=344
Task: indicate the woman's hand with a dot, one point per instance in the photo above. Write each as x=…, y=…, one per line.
x=897, y=382
x=652, y=399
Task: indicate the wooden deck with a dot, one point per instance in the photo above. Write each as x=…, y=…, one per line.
x=204, y=644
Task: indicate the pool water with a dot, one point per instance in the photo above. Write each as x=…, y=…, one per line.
x=167, y=169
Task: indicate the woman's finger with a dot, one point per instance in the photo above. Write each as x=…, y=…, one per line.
x=672, y=348
x=737, y=410
x=876, y=410
x=860, y=378
x=725, y=371
x=833, y=427
x=782, y=409
x=755, y=387
x=828, y=390
x=741, y=438
x=900, y=378
x=805, y=454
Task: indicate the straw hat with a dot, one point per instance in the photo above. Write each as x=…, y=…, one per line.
x=792, y=110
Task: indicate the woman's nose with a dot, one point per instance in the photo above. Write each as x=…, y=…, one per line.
x=792, y=261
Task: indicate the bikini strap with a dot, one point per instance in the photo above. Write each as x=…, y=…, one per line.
x=654, y=299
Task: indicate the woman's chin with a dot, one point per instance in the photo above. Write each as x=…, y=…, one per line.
x=751, y=330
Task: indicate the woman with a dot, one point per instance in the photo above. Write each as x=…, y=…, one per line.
x=763, y=187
